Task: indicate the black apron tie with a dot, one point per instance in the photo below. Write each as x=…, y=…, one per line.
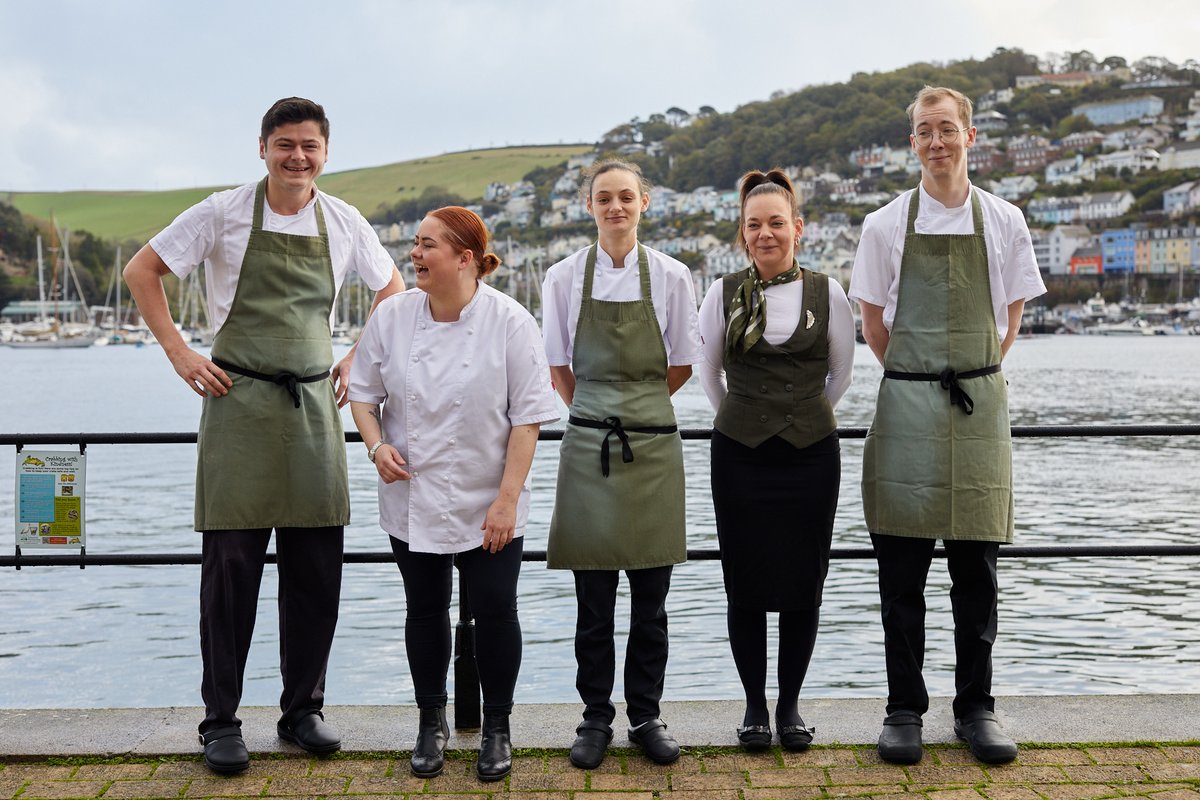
x=613, y=426
x=948, y=379
x=287, y=380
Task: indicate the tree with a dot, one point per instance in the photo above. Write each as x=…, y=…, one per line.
x=706, y=111
x=677, y=116
x=1079, y=61
x=1113, y=63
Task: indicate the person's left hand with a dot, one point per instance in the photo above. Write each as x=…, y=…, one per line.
x=340, y=375
x=499, y=525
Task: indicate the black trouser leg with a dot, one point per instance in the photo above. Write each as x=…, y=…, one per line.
x=595, y=653
x=748, y=642
x=491, y=581
x=427, y=588
x=310, y=586
x=903, y=569
x=646, y=650
x=974, y=597
x=231, y=567
x=797, y=637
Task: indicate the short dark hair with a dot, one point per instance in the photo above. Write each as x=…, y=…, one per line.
x=290, y=110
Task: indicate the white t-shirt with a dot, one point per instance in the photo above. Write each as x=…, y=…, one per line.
x=1012, y=267
x=217, y=230
x=784, y=304
x=671, y=291
x=452, y=392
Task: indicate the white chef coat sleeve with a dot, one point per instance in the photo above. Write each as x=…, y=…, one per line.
x=368, y=256
x=531, y=397
x=712, y=336
x=682, y=333
x=190, y=238
x=873, y=273
x=366, y=373
x=1018, y=264
x=840, y=335
x=556, y=310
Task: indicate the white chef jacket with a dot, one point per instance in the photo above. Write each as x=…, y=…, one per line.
x=1012, y=268
x=671, y=290
x=784, y=304
x=451, y=393
x=217, y=230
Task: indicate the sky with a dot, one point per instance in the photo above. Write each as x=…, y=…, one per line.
x=165, y=94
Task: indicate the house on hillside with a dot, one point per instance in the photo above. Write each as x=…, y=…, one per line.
x=1081, y=141
x=1117, y=249
x=990, y=121
x=1117, y=112
x=1014, y=187
x=1134, y=160
x=1178, y=200
x=1064, y=240
x=986, y=156
x=1070, y=171
x=1180, y=155
x=1087, y=261
x=1030, y=153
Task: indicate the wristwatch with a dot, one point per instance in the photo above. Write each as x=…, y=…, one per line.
x=373, y=448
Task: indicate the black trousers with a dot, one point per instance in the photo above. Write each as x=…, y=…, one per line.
x=974, y=593
x=310, y=583
x=490, y=580
x=645, y=652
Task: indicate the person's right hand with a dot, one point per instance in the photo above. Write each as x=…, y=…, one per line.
x=201, y=375
x=390, y=464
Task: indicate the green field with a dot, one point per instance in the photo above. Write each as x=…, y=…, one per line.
x=139, y=215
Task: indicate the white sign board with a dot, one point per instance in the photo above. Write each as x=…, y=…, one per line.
x=49, y=496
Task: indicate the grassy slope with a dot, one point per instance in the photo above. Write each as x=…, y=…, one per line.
x=139, y=215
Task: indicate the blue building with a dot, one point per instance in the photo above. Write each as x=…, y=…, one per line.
x=1117, y=249
x=1116, y=112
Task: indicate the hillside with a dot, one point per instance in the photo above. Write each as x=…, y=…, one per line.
x=139, y=215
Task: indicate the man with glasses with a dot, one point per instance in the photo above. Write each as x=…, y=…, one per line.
x=941, y=275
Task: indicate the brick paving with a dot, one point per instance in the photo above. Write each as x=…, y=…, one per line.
x=1162, y=772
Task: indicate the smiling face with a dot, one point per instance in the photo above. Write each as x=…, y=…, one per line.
x=941, y=160
x=438, y=266
x=617, y=202
x=770, y=230
x=295, y=154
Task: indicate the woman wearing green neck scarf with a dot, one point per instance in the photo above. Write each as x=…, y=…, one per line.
x=778, y=352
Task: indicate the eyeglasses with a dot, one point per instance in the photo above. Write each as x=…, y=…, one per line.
x=947, y=136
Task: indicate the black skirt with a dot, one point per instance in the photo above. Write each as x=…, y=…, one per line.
x=775, y=506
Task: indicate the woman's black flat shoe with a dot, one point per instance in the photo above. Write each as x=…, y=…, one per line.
x=796, y=738
x=754, y=738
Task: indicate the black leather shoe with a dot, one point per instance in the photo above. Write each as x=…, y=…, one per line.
x=900, y=742
x=591, y=742
x=312, y=733
x=432, y=734
x=795, y=738
x=754, y=738
x=225, y=751
x=658, y=745
x=495, y=749
x=986, y=741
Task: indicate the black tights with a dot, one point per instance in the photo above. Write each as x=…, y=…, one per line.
x=490, y=580
x=748, y=640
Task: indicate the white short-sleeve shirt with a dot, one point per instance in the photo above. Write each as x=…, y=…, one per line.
x=671, y=289
x=784, y=304
x=1012, y=267
x=451, y=394
x=217, y=230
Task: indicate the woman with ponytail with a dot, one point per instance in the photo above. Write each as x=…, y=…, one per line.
x=778, y=352
x=459, y=370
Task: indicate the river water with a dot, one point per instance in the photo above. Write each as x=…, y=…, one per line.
x=127, y=636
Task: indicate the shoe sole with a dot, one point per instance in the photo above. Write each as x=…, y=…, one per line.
x=433, y=774
x=227, y=769
x=493, y=778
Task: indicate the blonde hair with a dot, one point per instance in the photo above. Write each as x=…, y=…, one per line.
x=933, y=94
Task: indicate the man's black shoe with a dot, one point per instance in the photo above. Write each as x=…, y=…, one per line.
x=225, y=751
x=312, y=733
x=900, y=742
x=591, y=743
x=658, y=745
x=986, y=741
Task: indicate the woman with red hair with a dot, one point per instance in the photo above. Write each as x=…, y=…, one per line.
x=460, y=372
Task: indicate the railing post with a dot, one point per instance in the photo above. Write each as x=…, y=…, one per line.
x=466, y=670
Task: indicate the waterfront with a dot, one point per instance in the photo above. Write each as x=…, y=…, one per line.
x=69, y=637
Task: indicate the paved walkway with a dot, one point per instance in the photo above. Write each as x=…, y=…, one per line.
x=1072, y=748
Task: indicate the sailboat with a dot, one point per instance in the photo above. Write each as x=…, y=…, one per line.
x=48, y=330
x=117, y=329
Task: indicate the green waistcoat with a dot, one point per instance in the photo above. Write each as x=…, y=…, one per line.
x=779, y=390
x=929, y=469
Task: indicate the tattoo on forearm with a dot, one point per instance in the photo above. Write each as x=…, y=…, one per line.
x=375, y=412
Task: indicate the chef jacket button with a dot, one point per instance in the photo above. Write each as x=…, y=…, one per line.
x=762, y=359
x=788, y=418
x=445, y=516
x=415, y=359
x=787, y=388
x=470, y=331
x=452, y=440
x=416, y=436
x=458, y=402
x=763, y=418
x=763, y=389
x=412, y=397
x=415, y=473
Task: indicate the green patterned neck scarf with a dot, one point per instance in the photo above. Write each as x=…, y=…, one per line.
x=748, y=311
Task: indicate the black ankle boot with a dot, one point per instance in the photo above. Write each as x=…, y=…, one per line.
x=432, y=735
x=495, y=748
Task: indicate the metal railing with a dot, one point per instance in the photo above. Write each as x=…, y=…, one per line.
x=466, y=675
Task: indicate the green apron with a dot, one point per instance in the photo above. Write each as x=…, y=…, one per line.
x=633, y=517
x=938, y=457
x=263, y=462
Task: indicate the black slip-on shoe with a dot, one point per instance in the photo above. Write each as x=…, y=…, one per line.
x=900, y=741
x=984, y=737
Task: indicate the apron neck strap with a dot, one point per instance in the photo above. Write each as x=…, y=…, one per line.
x=260, y=200
x=589, y=270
